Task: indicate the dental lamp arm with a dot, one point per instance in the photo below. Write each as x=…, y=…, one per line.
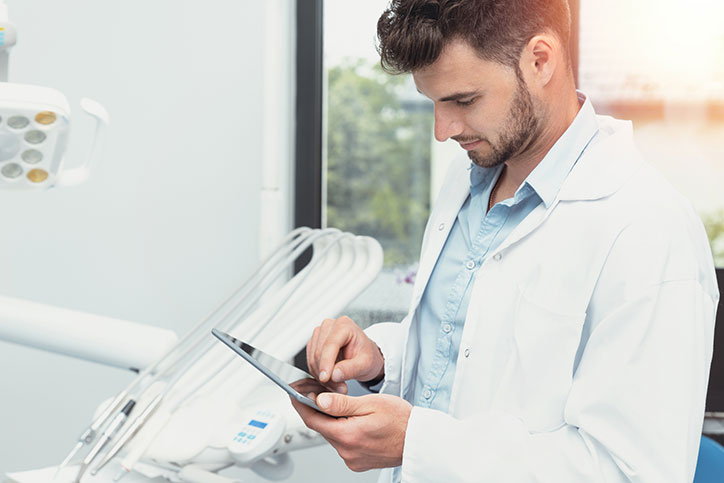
x=97, y=338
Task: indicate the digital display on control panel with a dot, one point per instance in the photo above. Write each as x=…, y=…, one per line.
x=257, y=424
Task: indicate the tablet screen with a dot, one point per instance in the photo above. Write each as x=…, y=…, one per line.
x=294, y=380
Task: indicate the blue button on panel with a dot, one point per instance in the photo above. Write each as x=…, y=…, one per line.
x=251, y=436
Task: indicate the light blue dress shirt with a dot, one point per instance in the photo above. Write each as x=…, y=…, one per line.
x=473, y=236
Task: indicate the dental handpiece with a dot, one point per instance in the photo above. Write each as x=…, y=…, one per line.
x=109, y=432
x=129, y=433
x=90, y=432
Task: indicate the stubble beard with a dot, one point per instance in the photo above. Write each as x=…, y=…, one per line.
x=518, y=133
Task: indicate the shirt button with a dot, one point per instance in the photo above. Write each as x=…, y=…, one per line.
x=427, y=394
x=447, y=328
x=497, y=257
x=470, y=265
x=467, y=353
x=441, y=227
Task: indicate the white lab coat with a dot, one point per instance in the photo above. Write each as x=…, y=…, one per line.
x=586, y=347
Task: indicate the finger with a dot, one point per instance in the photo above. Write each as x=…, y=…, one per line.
x=354, y=368
x=340, y=387
x=325, y=330
x=311, y=349
x=330, y=352
x=342, y=405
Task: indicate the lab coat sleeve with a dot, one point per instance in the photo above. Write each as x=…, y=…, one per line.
x=635, y=408
x=389, y=337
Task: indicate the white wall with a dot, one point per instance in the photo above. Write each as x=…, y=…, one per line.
x=169, y=224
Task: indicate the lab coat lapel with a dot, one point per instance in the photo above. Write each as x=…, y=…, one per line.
x=529, y=223
x=602, y=169
x=455, y=190
x=441, y=222
x=605, y=166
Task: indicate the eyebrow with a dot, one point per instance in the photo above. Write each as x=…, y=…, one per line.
x=457, y=96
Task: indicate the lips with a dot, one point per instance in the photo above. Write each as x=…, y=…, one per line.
x=471, y=145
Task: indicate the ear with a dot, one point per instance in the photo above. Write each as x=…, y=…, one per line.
x=539, y=60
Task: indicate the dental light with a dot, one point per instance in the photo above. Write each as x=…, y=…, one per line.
x=35, y=126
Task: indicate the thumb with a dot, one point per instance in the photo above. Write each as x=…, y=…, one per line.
x=336, y=404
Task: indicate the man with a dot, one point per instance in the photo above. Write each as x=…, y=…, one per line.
x=562, y=320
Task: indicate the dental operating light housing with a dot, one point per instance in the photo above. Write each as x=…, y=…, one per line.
x=35, y=127
x=34, y=132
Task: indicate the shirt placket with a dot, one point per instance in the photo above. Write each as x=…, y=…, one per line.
x=486, y=232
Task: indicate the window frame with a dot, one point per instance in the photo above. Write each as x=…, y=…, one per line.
x=308, y=162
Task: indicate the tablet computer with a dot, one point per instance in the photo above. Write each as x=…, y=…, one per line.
x=294, y=380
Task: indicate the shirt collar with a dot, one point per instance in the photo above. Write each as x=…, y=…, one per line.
x=481, y=177
x=546, y=179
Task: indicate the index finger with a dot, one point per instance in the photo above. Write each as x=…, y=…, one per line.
x=330, y=351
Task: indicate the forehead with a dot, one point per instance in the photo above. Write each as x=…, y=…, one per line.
x=460, y=69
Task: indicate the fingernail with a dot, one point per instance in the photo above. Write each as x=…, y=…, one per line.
x=324, y=400
x=337, y=376
x=323, y=376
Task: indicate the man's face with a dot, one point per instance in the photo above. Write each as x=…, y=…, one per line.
x=481, y=104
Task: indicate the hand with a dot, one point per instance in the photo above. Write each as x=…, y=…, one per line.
x=339, y=351
x=370, y=432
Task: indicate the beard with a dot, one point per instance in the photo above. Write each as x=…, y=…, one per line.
x=519, y=130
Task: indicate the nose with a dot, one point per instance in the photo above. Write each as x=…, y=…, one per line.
x=446, y=125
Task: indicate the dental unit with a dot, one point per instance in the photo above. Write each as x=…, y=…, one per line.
x=186, y=402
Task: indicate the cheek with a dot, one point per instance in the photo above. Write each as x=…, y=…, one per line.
x=485, y=119
x=497, y=118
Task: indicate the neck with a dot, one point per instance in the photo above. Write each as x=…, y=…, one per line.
x=554, y=122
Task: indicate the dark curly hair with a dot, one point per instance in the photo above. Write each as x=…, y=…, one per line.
x=412, y=33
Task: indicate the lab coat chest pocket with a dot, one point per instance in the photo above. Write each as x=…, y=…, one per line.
x=540, y=369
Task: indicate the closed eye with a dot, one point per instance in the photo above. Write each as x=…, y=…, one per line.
x=465, y=103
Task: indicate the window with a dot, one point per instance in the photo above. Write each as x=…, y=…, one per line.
x=378, y=148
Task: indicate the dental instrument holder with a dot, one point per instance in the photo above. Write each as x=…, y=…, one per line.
x=291, y=243
x=231, y=317
x=31, y=101
x=369, y=256
x=237, y=308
